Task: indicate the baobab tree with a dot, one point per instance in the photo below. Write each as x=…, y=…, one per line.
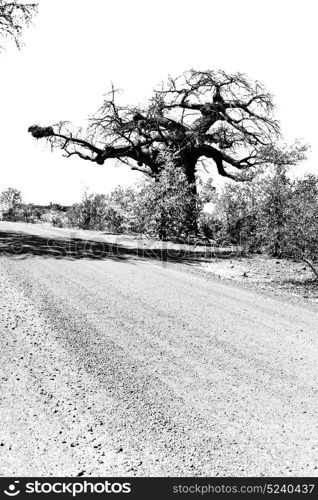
x=13, y=17
x=201, y=116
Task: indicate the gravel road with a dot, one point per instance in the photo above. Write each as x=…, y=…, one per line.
x=126, y=367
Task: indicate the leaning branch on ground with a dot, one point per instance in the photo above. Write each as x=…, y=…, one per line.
x=311, y=265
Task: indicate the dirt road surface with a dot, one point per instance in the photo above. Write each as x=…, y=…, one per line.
x=131, y=367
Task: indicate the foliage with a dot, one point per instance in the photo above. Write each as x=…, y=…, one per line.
x=10, y=198
x=55, y=217
x=113, y=213
x=122, y=211
x=209, y=226
x=13, y=17
x=236, y=209
x=207, y=191
x=273, y=214
x=157, y=207
x=301, y=241
x=10, y=202
x=92, y=211
x=165, y=203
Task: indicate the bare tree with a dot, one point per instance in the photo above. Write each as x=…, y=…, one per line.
x=199, y=117
x=13, y=17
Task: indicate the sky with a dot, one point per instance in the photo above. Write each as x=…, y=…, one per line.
x=75, y=49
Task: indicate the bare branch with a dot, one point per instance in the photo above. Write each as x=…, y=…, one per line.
x=13, y=17
x=222, y=117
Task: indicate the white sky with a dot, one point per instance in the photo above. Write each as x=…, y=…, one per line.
x=76, y=48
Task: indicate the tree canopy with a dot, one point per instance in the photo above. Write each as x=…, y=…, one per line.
x=201, y=116
x=13, y=17
x=10, y=197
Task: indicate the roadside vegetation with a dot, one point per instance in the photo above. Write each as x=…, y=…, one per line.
x=192, y=122
x=273, y=215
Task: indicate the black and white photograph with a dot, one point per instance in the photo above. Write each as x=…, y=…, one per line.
x=158, y=247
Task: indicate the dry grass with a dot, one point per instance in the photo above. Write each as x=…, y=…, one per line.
x=282, y=275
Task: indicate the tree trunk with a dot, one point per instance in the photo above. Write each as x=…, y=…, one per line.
x=191, y=222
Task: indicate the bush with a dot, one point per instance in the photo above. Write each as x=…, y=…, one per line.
x=166, y=206
x=301, y=222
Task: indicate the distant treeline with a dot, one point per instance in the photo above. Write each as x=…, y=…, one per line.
x=272, y=214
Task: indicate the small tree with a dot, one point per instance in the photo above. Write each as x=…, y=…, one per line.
x=121, y=212
x=301, y=229
x=74, y=216
x=275, y=192
x=272, y=213
x=165, y=203
x=236, y=209
x=10, y=202
x=92, y=211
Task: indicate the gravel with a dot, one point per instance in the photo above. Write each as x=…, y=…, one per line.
x=129, y=368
